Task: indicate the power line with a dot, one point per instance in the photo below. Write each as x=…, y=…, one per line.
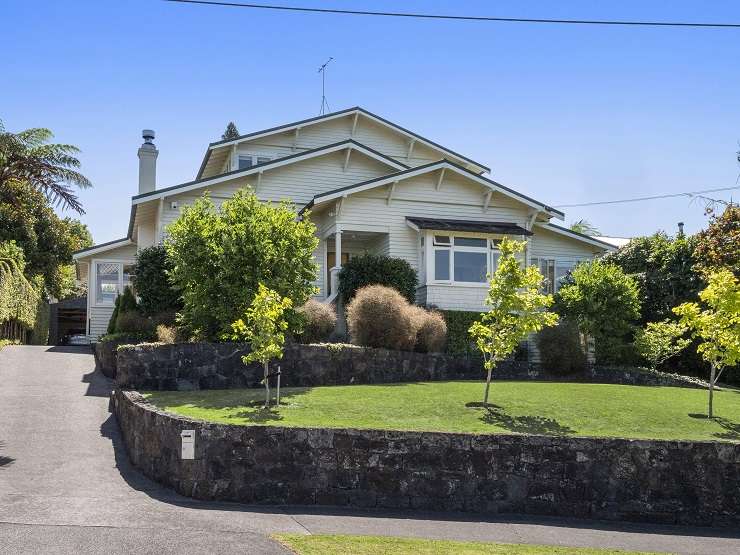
x=655, y=197
x=466, y=17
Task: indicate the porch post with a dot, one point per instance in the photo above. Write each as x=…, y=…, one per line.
x=337, y=261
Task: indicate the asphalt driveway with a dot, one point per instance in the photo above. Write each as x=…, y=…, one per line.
x=66, y=486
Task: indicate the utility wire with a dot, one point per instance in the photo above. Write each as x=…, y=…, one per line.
x=655, y=197
x=465, y=17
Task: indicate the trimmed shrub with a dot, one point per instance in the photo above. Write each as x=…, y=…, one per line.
x=373, y=269
x=431, y=330
x=379, y=316
x=152, y=282
x=458, y=323
x=167, y=334
x=132, y=322
x=112, y=322
x=128, y=301
x=319, y=320
x=561, y=351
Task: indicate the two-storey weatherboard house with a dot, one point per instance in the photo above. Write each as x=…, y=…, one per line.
x=370, y=186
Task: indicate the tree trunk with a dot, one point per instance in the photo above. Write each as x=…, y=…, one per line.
x=488, y=386
x=267, y=385
x=712, y=378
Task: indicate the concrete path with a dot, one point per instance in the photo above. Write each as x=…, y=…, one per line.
x=66, y=486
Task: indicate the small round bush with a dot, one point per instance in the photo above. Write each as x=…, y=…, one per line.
x=373, y=269
x=167, y=334
x=560, y=348
x=379, y=316
x=431, y=330
x=133, y=322
x=319, y=320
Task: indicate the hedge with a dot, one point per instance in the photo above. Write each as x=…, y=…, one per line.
x=374, y=269
x=458, y=338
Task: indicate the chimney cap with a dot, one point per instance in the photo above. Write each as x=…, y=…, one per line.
x=148, y=135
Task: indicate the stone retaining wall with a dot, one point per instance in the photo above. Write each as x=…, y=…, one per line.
x=689, y=483
x=186, y=366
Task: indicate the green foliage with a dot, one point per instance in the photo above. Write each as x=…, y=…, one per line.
x=561, y=349
x=19, y=297
x=133, y=322
x=220, y=256
x=40, y=332
x=584, y=227
x=663, y=267
x=128, y=301
x=231, y=132
x=152, y=283
x=373, y=269
x=458, y=322
x=717, y=326
x=604, y=302
x=719, y=245
x=46, y=239
x=112, y=322
x=51, y=169
x=263, y=326
x=516, y=309
x=659, y=341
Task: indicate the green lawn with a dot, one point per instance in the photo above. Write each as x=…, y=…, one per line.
x=376, y=545
x=567, y=409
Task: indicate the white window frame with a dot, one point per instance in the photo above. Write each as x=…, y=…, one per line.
x=535, y=260
x=255, y=157
x=490, y=249
x=93, y=276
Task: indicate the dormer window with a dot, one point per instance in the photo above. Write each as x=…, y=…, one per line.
x=246, y=161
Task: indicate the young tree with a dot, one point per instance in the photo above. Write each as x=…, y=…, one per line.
x=231, y=132
x=584, y=227
x=263, y=327
x=517, y=308
x=152, y=282
x=603, y=301
x=659, y=341
x=220, y=256
x=48, y=168
x=717, y=327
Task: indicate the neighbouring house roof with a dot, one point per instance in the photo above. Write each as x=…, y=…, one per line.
x=467, y=225
x=102, y=247
x=272, y=164
x=618, y=242
x=326, y=117
x=575, y=235
x=427, y=168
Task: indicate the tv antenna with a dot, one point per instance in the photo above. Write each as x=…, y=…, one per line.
x=324, y=103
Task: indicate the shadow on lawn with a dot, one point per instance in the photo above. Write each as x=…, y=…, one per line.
x=732, y=428
x=538, y=425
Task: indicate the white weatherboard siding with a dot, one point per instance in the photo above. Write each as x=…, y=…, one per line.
x=547, y=244
x=367, y=132
x=297, y=182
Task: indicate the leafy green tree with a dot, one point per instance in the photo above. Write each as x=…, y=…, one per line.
x=46, y=239
x=220, y=256
x=19, y=296
x=659, y=341
x=584, y=227
x=81, y=239
x=604, y=302
x=231, y=132
x=717, y=326
x=516, y=309
x=152, y=282
x=49, y=168
x=263, y=327
x=663, y=267
x=719, y=245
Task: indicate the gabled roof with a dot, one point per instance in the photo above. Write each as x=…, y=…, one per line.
x=102, y=247
x=326, y=117
x=427, y=168
x=272, y=164
x=575, y=235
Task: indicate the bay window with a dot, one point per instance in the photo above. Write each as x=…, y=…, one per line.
x=463, y=259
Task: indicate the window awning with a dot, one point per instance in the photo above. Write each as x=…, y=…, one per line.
x=438, y=224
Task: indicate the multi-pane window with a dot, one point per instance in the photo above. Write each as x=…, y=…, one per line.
x=110, y=280
x=246, y=161
x=462, y=259
x=554, y=272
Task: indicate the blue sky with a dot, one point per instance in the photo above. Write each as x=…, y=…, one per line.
x=565, y=114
